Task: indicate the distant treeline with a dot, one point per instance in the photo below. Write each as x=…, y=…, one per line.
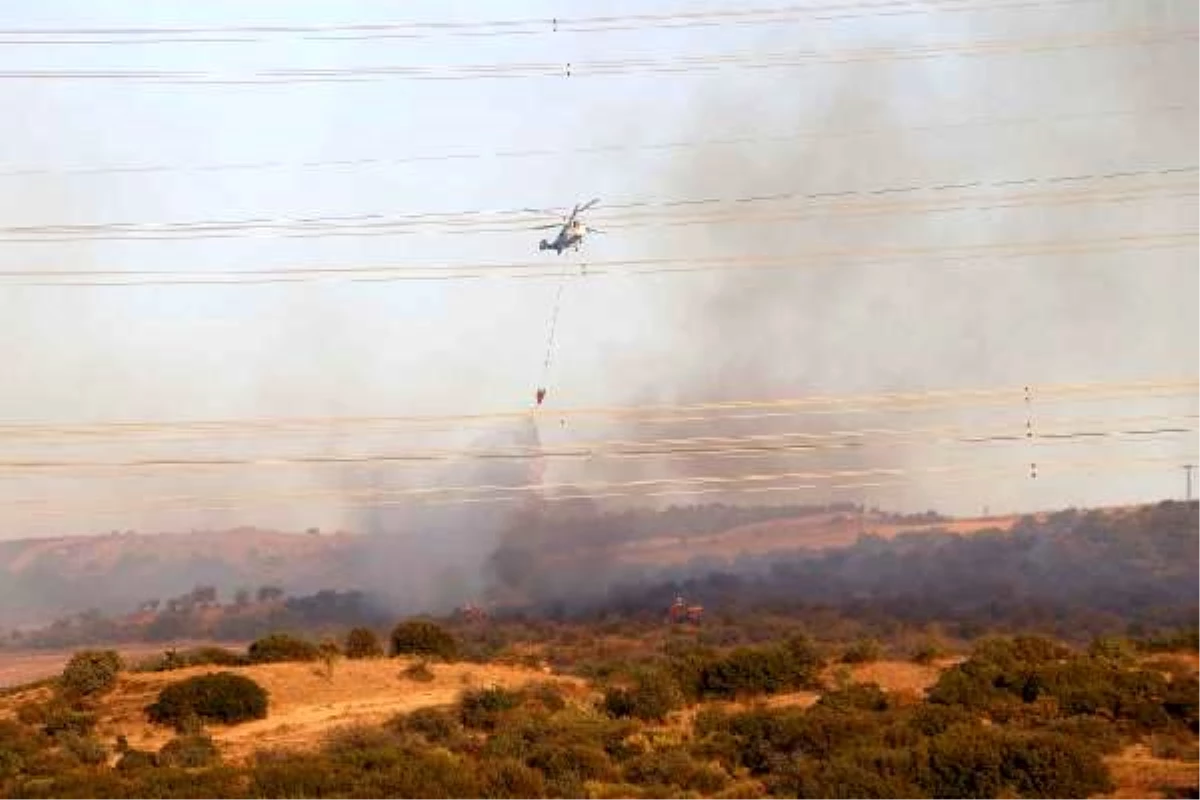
x=1076, y=574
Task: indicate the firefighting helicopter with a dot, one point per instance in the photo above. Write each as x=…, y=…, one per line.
x=570, y=231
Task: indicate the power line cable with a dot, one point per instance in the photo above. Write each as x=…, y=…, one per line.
x=591, y=490
x=609, y=67
x=240, y=34
x=845, y=258
x=707, y=446
x=1057, y=188
x=837, y=403
x=378, y=161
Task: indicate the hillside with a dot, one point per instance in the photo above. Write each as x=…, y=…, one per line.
x=44, y=578
x=41, y=578
x=305, y=705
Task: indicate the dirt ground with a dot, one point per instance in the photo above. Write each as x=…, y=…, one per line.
x=18, y=667
x=304, y=704
x=1137, y=773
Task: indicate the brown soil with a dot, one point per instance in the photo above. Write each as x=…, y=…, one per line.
x=304, y=705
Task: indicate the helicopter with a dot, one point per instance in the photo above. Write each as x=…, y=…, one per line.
x=570, y=231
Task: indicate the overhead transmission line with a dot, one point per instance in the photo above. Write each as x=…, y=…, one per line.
x=594, y=490
x=720, y=141
x=748, y=446
x=239, y=34
x=1059, y=188
x=614, y=67
x=710, y=215
x=938, y=398
x=846, y=258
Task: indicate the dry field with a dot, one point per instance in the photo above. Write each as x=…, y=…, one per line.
x=304, y=704
x=19, y=667
x=811, y=532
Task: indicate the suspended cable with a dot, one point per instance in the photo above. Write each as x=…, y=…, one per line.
x=844, y=258
x=668, y=146
x=242, y=34
x=761, y=445
x=941, y=398
x=609, y=67
x=592, y=490
x=1058, y=188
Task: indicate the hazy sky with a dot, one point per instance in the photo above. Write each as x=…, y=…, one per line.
x=170, y=353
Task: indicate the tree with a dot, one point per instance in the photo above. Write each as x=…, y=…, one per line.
x=422, y=638
x=241, y=598
x=221, y=697
x=363, y=643
x=268, y=593
x=90, y=673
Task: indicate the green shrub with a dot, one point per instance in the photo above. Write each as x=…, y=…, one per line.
x=864, y=651
x=193, y=750
x=418, y=671
x=436, y=725
x=85, y=748
x=1113, y=649
x=571, y=763
x=423, y=638
x=90, y=673
x=60, y=718
x=363, y=643
x=507, y=777
x=282, y=647
x=856, y=697
x=928, y=652
x=652, y=697
x=132, y=760
x=675, y=768
x=481, y=708
x=195, y=657
x=220, y=697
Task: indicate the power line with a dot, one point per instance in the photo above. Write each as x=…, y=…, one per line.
x=763, y=445
x=376, y=161
x=610, y=67
x=628, y=413
x=594, y=490
x=1059, y=188
x=239, y=34
x=846, y=258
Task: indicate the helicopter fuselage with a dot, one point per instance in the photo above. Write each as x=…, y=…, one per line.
x=569, y=237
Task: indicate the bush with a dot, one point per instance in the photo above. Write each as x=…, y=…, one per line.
x=60, y=718
x=864, y=651
x=675, y=768
x=507, y=777
x=436, y=725
x=481, y=708
x=652, y=697
x=363, y=643
x=750, y=671
x=90, y=673
x=194, y=750
x=423, y=638
x=219, y=697
x=282, y=647
x=419, y=671
x=132, y=760
x=87, y=749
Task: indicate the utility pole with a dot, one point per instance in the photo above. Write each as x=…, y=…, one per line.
x=1187, y=470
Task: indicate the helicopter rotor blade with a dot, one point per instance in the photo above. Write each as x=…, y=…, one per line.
x=588, y=205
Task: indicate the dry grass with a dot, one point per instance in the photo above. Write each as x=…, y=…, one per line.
x=304, y=705
x=900, y=676
x=816, y=531
x=18, y=667
x=1137, y=773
